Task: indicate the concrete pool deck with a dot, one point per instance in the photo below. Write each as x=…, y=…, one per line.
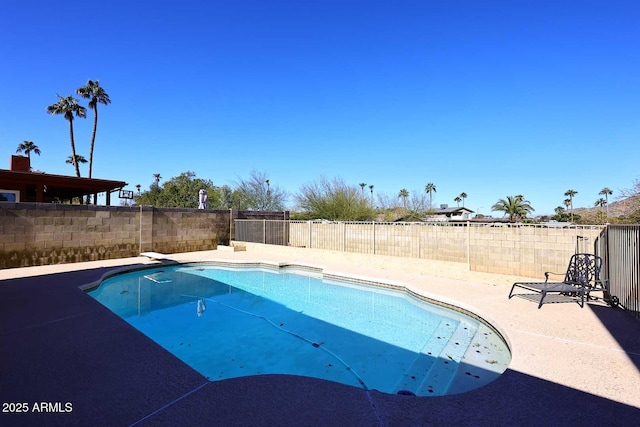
x=570, y=365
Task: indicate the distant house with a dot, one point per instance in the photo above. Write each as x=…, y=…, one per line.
x=445, y=213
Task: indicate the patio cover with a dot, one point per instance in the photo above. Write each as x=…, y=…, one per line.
x=47, y=188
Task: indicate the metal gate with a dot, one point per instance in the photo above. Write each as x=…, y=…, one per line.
x=270, y=232
x=619, y=246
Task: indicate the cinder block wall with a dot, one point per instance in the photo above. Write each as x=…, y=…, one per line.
x=517, y=250
x=44, y=233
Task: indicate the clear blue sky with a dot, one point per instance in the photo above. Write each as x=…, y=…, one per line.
x=491, y=98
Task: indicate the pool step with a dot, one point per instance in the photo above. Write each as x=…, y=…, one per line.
x=419, y=369
x=444, y=369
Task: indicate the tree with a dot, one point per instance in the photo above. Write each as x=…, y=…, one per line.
x=362, y=185
x=76, y=160
x=333, y=200
x=403, y=194
x=418, y=202
x=570, y=193
x=96, y=95
x=157, y=178
x=606, y=192
x=561, y=215
x=429, y=189
x=517, y=208
x=183, y=191
x=69, y=107
x=371, y=188
x=27, y=147
x=600, y=216
x=463, y=196
x=257, y=193
x=458, y=199
x=631, y=202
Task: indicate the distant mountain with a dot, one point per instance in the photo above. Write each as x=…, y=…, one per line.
x=624, y=207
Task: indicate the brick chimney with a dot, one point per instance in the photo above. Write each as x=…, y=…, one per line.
x=20, y=164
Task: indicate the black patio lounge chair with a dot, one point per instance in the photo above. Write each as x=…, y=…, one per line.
x=581, y=278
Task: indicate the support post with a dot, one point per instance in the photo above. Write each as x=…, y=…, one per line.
x=469, y=245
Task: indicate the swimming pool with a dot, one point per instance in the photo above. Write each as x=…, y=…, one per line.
x=228, y=321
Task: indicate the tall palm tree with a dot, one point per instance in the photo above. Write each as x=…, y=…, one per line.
x=371, y=188
x=96, y=95
x=27, y=147
x=570, y=193
x=458, y=199
x=157, y=178
x=403, y=194
x=362, y=185
x=430, y=188
x=517, y=208
x=69, y=107
x=76, y=160
x=567, y=203
x=463, y=196
x=606, y=192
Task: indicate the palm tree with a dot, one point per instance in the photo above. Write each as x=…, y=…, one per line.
x=517, y=208
x=69, y=107
x=458, y=200
x=96, y=95
x=430, y=188
x=601, y=202
x=606, y=192
x=138, y=187
x=362, y=185
x=559, y=210
x=570, y=193
x=567, y=203
x=75, y=160
x=371, y=188
x=463, y=196
x=157, y=178
x=27, y=147
x=403, y=194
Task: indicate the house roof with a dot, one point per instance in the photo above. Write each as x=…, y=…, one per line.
x=453, y=210
x=56, y=187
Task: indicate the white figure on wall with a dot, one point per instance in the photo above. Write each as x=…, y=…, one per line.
x=203, y=199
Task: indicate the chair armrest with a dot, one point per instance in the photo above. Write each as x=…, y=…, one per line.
x=547, y=273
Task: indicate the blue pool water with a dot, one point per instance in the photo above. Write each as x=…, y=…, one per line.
x=232, y=322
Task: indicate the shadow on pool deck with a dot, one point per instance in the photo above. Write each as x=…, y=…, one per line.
x=60, y=345
x=620, y=324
